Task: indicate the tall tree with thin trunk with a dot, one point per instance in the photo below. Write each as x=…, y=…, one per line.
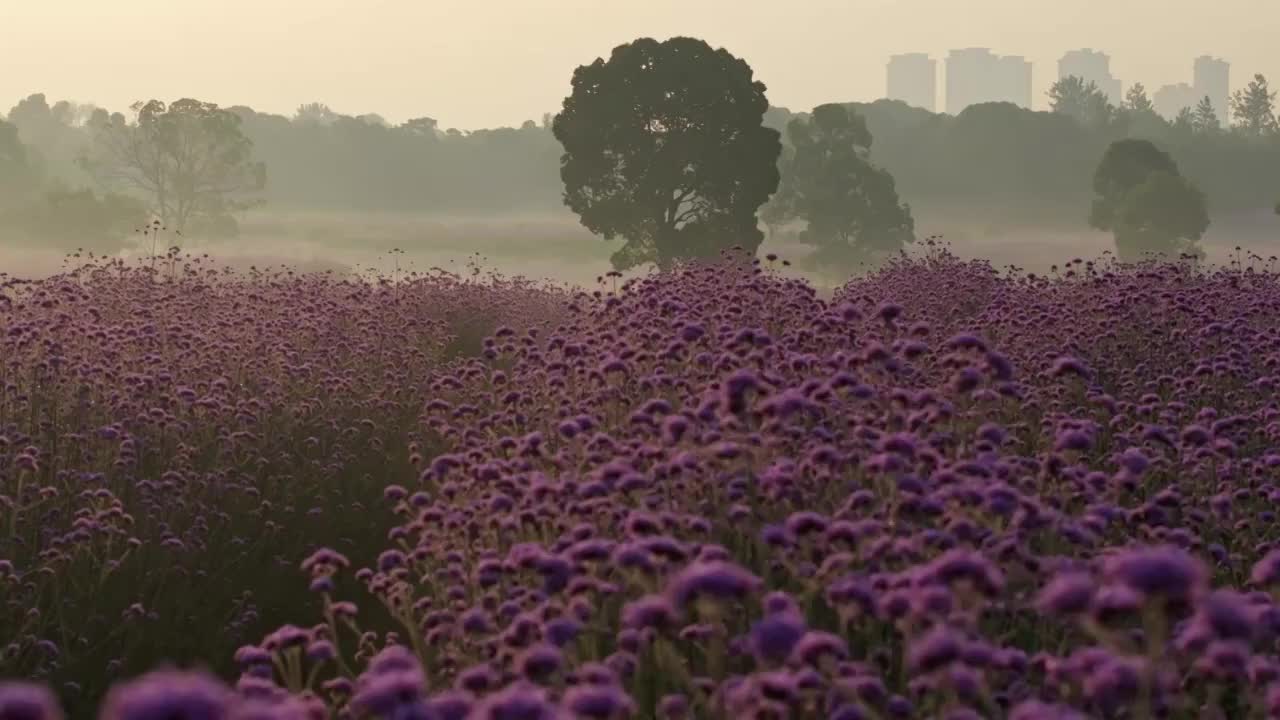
x=189, y=160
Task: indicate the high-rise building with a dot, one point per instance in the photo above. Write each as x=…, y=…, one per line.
x=1014, y=80
x=976, y=75
x=1212, y=79
x=1170, y=100
x=1094, y=67
x=913, y=79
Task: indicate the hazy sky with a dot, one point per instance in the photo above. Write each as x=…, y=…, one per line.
x=481, y=63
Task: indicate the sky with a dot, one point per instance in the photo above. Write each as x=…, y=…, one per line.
x=488, y=63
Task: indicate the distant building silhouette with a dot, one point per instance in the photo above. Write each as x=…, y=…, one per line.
x=1014, y=80
x=976, y=75
x=1169, y=100
x=1211, y=77
x=913, y=79
x=1094, y=67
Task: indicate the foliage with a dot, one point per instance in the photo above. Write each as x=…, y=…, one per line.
x=1254, y=109
x=1136, y=100
x=69, y=219
x=1204, y=119
x=664, y=147
x=1073, y=97
x=1146, y=203
x=850, y=206
x=190, y=159
x=17, y=176
x=175, y=437
x=997, y=162
x=315, y=113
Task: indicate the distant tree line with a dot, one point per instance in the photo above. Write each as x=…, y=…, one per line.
x=995, y=160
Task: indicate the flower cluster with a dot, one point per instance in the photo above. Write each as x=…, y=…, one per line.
x=946, y=491
x=171, y=447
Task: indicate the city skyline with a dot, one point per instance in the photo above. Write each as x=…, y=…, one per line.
x=981, y=75
x=913, y=79
x=494, y=63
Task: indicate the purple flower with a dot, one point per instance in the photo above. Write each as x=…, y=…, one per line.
x=450, y=705
x=540, y=661
x=252, y=655
x=598, y=701
x=816, y=645
x=390, y=559
x=478, y=678
x=888, y=312
x=561, y=631
x=1164, y=571
x=516, y=702
x=1134, y=461
x=1115, y=680
x=27, y=701
x=1068, y=593
x=1067, y=365
x=650, y=611
x=394, y=658
x=320, y=651
x=780, y=602
x=963, y=566
x=1229, y=615
x=390, y=692
x=168, y=694
x=774, y=637
x=1267, y=570
x=719, y=580
x=934, y=650
x=325, y=560
x=673, y=707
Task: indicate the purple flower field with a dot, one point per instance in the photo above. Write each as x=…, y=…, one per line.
x=947, y=491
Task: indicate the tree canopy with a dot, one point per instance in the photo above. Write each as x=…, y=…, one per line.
x=664, y=146
x=1254, y=108
x=1204, y=119
x=1146, y=203
x=1083, y=101
x=189, y=158
x=1136, y=100
x=850, y=207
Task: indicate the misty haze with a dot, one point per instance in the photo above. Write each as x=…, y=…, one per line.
x=878, y=359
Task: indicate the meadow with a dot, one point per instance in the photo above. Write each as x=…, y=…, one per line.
x=940, y=489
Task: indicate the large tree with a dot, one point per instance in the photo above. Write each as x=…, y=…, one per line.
x=664, y=147
x=190, y=159
x=1254, y=108
x=851, y=207
x=1143, y=200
